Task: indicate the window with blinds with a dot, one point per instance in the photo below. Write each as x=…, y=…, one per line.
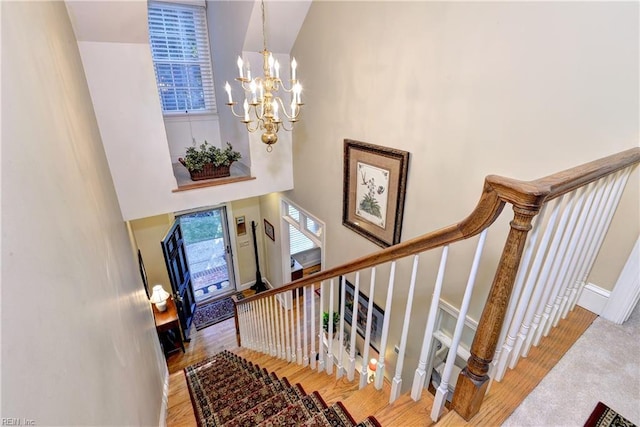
x=304, y=231
x=181, y=57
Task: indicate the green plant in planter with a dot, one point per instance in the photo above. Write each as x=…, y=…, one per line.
x=325, y=321
x=197, y=158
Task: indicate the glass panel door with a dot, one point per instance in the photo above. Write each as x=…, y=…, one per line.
x=206, y=238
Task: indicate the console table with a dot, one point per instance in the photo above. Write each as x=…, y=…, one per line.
x=168, y=327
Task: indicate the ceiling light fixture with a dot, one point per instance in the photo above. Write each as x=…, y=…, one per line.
x=263, y=106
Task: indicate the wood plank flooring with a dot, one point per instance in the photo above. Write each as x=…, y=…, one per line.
x=501, y=401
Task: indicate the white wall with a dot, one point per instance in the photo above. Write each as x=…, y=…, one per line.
x=79, y=342
x=521, y=89
x=182, y=130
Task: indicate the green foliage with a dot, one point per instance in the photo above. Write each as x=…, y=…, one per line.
x=200, y=227
x=370, y=205
x=325, y=321
x=196, y=158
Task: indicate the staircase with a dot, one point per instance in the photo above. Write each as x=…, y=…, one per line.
x=559, y=223
x=227, y=390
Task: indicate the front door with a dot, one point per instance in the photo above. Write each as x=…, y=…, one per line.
x=178, y=269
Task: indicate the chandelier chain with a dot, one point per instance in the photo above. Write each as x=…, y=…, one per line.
x=264, y=32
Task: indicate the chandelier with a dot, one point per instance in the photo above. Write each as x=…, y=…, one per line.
x=263, y=106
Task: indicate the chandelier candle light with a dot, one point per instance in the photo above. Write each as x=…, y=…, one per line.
x=262, y=101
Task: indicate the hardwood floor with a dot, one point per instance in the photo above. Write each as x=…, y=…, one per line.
x=500, y=402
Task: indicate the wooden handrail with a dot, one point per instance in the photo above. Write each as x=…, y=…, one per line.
x=496, y=192
x=527, y=198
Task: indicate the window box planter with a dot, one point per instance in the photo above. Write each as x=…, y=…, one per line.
x=209, y=171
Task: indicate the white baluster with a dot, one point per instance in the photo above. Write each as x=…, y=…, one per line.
x=367, y=333
x=340, y=367
x=314, y=354
x=610, y=206
x=274, y=332
x=566, y=251
x=298, y=335
x=397, y=379
x=273, y=304
x=293, y=328
x=549, y=261
x=322, y=351
x=532, y=283
x=329, y=361
x=580, y=235
x=385, y=328
x=522, y=296
x=287, y=326
x=420, y=376
x=283, y=334
x=259, y=319
x=352, y=339
x=443, y=388
x=594, y=218
x=305, y=353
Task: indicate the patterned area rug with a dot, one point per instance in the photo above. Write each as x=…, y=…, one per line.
x=603, y=416
x=227, y=390
x=216, y=311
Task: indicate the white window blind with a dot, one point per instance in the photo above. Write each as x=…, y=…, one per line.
x=181, y=57
x=298, y=242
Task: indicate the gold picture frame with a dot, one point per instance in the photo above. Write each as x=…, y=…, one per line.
x=375, y=183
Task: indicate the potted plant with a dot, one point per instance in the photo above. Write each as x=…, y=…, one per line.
x=325, y=321
x=208, y=161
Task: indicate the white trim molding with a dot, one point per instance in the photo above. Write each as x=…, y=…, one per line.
x=164, y=407
x=626, y=293
x=593, y=298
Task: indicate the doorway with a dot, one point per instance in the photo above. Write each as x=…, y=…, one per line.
x=208, y=250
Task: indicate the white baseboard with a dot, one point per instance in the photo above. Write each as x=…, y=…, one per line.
x=594, y=298
x=164, y=406
x=245, y=286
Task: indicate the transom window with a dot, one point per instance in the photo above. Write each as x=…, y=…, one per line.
x=305, y=232
x=181, y=57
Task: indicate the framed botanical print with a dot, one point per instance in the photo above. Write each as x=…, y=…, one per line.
x=375, y=181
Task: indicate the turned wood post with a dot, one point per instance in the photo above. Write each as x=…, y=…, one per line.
x=236, y=319
x=473, y=380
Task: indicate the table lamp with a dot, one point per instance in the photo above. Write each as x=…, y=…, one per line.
x=159, y=297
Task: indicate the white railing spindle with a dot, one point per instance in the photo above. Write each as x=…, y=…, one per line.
x=340, y=366
x=329, y=361
x=443, y=388
x=367, y=334
x=322, y=350
x=396, y=384
x=305, y=353
x=379, y=377
x=352, y=339
x=312, y=361
x=420, y=376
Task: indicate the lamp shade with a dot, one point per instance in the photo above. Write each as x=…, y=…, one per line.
x=373, y=364
x=159, y=297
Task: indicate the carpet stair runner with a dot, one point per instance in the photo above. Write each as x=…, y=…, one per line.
x=227, y=390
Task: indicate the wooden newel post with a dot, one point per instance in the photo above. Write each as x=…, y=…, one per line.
x=473, y=380
x=236, y=320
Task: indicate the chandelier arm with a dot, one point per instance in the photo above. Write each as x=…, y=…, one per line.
x=233, y=111
x=249, y=126
x=285, y=128
x=284, y=110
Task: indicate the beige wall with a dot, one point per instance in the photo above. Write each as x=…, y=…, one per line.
x=250, y=209
x=521, y=89
x=148, y=233
x=79, y=346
